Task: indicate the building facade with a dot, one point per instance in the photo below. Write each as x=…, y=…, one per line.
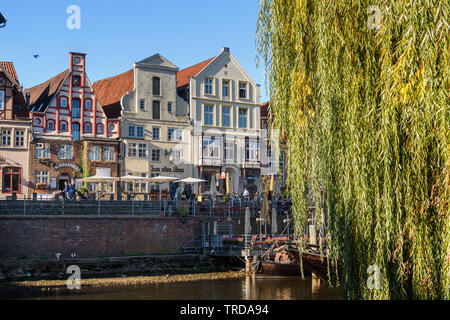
x=15, y=131
x=73, y=136
x=224, y=108
x=154, y=122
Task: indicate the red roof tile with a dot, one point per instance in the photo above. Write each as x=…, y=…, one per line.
x=264, y=109
x=9, y=67
x=110, y=91
x=42, y=94
x=184, y=75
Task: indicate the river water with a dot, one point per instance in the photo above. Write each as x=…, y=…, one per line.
x=248, y=288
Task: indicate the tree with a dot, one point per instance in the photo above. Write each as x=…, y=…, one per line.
x=361, y=90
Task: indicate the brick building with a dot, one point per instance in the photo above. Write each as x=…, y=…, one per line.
x=14, y=135
x=73, y=137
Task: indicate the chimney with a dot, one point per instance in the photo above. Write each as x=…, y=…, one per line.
x=226, y=49
x=27, y=98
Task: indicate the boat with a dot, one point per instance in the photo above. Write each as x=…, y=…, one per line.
x=282, y=265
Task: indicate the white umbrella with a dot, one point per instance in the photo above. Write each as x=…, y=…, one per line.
x=129, y=178
x=190, y=180
x=213, y=188
x=259, y=185
x=274, y=224
x=161, y=179
x=248, y=227
x=232, y=187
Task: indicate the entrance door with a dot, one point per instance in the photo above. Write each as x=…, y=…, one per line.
x=62, y=181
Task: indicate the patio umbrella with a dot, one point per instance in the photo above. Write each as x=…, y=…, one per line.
x=190, y=180
x=248, y=227
x=259, y=185
x=129, y=178
x=160, y=180
x=213, y=188
x=227, y=183
x=265, y=209
x=232, y=187
x=274, y=224
x=276, y=187
x=271, y=182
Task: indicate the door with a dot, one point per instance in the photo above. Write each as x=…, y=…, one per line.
x=11, y=180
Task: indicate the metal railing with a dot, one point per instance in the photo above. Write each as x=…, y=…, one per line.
x=162, y=208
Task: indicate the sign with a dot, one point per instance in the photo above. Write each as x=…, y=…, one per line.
x=166, y=169
x=176, y=169
x=66, y=164
x=103, y=172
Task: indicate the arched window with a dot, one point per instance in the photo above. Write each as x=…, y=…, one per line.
x=63, y=102
x=99, y=128
x=88, y=127
x=50, y=125
x=63, y=126
x=88, y=104
x=76, y=108
x=76, y=131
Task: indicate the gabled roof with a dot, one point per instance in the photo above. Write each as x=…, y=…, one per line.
x=42, y=94
x=9, y=67
x=264, y=109
x=110, y=91
x=184, y=75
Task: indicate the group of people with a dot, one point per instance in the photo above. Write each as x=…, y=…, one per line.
x=71, y=193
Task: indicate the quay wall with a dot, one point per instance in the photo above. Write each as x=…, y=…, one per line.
x=45, y=237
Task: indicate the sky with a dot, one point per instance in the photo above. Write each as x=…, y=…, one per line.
x=114, y=34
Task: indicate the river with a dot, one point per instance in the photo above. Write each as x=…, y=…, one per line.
x=247, y=288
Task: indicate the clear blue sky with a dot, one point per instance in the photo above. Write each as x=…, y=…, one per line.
x=114, y=34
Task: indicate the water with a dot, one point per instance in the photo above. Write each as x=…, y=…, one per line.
x=248, y=288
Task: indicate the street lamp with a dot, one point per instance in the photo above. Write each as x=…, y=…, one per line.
x=2, y=21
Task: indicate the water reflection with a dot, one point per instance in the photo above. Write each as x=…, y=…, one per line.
x=248, y=288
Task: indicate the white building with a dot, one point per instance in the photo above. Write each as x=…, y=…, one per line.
x=224, y=110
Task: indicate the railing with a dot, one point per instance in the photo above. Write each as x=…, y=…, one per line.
x=164, y=208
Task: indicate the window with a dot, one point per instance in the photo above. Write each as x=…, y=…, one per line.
x=109, y=154
x=208, y=114
x=137, y=150
x=225, y=88
x=174, y=134
x=50, y=125
x=41, y=176
x=99, y=128
x=211, y=147
x=156, y=86
x=142, y=150
x=95, y=153
x=108, y=187
x=156, y=106
x=65, y=152
x=251, y=150
x=88, y=104
x=2, y=100
x=208, y=86
x=88, y=127
x=140, y=132
x=132, y=149
x=42, y=150
x=139, y=187
x=155, y=133
x=131, y=130
x=228, y=147
x=76, y=131
x=155, y=186
x=76, y=108
x=63, y=102
x=243, y=90
x=242, y=118
x=76, y=81
x=142, y=104
x=6, y=137
x=63, y=126
x=11, y=179
x=136, y=131
x=175, y=156
x=226, y=116
x=169, y=107
x=156, y=154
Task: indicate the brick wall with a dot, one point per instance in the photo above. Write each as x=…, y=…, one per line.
x=43, y=237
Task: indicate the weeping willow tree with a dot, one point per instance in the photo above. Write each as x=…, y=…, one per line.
x=361, y=91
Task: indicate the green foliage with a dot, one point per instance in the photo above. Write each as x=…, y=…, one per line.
x=366, y=116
